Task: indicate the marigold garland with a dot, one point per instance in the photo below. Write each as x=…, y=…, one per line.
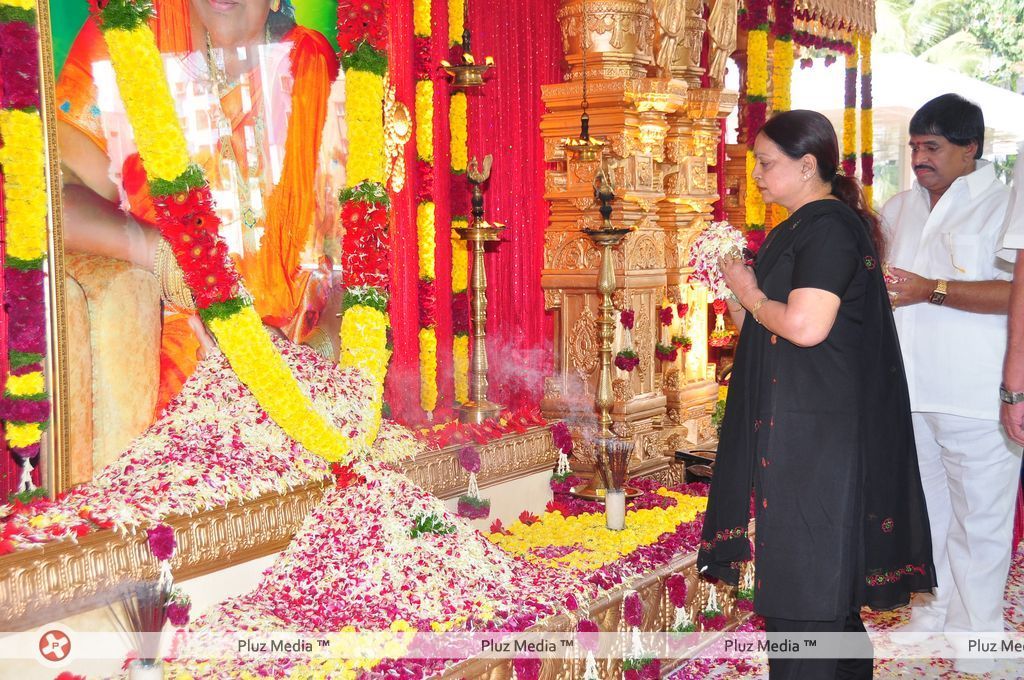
x=364, y=116
x=428, y=369
x=458, y=122
x=25, y=407
x=850, y=115
x=425, y=120
x=364, y=202
x=867, y=127
x=756, y=18
x=457, y=118
x=426, y=230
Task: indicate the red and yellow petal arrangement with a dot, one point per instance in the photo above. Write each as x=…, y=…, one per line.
x=25, y=407
x=867, y=128
x=755, y=19
x=459, y=125
x=426, y=228
x=850, y=114
x=365, y=344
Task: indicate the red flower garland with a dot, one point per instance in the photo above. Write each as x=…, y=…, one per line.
x=361, y=21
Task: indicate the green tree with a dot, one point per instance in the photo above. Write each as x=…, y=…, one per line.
x=982, y=38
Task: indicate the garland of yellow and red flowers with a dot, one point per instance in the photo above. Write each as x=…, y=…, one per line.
x=459, y=199
x=25, y=407
x=366, y=247
x=850, y=115
x=867, y=128
x=754, y=18
x=426, y=227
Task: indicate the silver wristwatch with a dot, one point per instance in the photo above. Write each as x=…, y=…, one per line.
x=1009, y=397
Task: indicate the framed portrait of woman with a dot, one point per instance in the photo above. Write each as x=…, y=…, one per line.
x=260, y=102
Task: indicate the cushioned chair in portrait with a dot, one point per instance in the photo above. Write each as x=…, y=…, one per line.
x=113, y=314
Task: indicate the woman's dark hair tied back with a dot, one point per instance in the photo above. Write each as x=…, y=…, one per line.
x=799, y=133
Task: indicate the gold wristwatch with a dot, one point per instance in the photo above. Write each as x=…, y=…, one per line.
x=938, y=295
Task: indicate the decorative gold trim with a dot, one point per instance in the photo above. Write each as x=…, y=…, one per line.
x=57, y=445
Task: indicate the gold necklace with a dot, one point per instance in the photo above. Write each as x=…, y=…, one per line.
x=222, y=86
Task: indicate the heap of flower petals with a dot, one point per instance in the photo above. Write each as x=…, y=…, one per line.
x=212, y=445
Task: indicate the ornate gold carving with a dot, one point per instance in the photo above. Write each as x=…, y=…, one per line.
x=644, y=252
x=568, y=250
x=583, y=203
x=622, y=428
x=673, y=416
x=619, y=299
x=583, y=344
x=644, y=176
x=583, y=172
x=622, y=388
x=643, y=336
x=397, y=131
x=671, y=380
x=552, y=298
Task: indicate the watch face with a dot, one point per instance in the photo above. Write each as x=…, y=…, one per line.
x=937, y=298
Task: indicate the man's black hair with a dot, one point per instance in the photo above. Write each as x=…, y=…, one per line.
x=951, y=116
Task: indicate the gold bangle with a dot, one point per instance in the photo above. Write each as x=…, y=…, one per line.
x=756, y=306
x=320, y=342
x=173, y=288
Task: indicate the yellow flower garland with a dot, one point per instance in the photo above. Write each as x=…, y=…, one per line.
x=428, y=369
x=596, y=546
x=364, y=339
x=22, y=435
x=757, y=90
x=24, y=184
x=461, y=351
x=757, y=63
x=421, y=18
x=456, y=19
x=425, y=235
x=755, y=206
x=867, y=124
x=425, y=120
x=260, y=366
x=850, y=114
x=457, y=119
x=27, y=385
x=241, y=336
x=20, y=4
x=364, y=116
x=460, y=259
x=147, y=101
x=782, y=75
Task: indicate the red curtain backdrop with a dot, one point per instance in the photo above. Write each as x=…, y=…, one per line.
x=504, y=120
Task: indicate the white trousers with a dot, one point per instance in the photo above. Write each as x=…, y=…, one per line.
x=970, y=471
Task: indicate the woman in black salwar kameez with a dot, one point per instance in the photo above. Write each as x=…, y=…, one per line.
x=817, y=420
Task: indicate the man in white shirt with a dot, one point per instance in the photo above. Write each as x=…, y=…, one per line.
x=1012, y=392
x=950, y=296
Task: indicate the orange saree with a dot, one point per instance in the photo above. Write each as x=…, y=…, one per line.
x=276, y=265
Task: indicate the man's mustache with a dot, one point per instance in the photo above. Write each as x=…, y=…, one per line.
x=923, y=167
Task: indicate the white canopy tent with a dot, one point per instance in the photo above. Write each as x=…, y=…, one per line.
x=901, y=84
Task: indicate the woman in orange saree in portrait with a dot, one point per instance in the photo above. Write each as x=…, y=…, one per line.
x=254, y=93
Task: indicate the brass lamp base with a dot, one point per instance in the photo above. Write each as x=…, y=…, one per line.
x=473, y=412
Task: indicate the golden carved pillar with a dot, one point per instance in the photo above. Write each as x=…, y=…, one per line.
x=658, y=152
